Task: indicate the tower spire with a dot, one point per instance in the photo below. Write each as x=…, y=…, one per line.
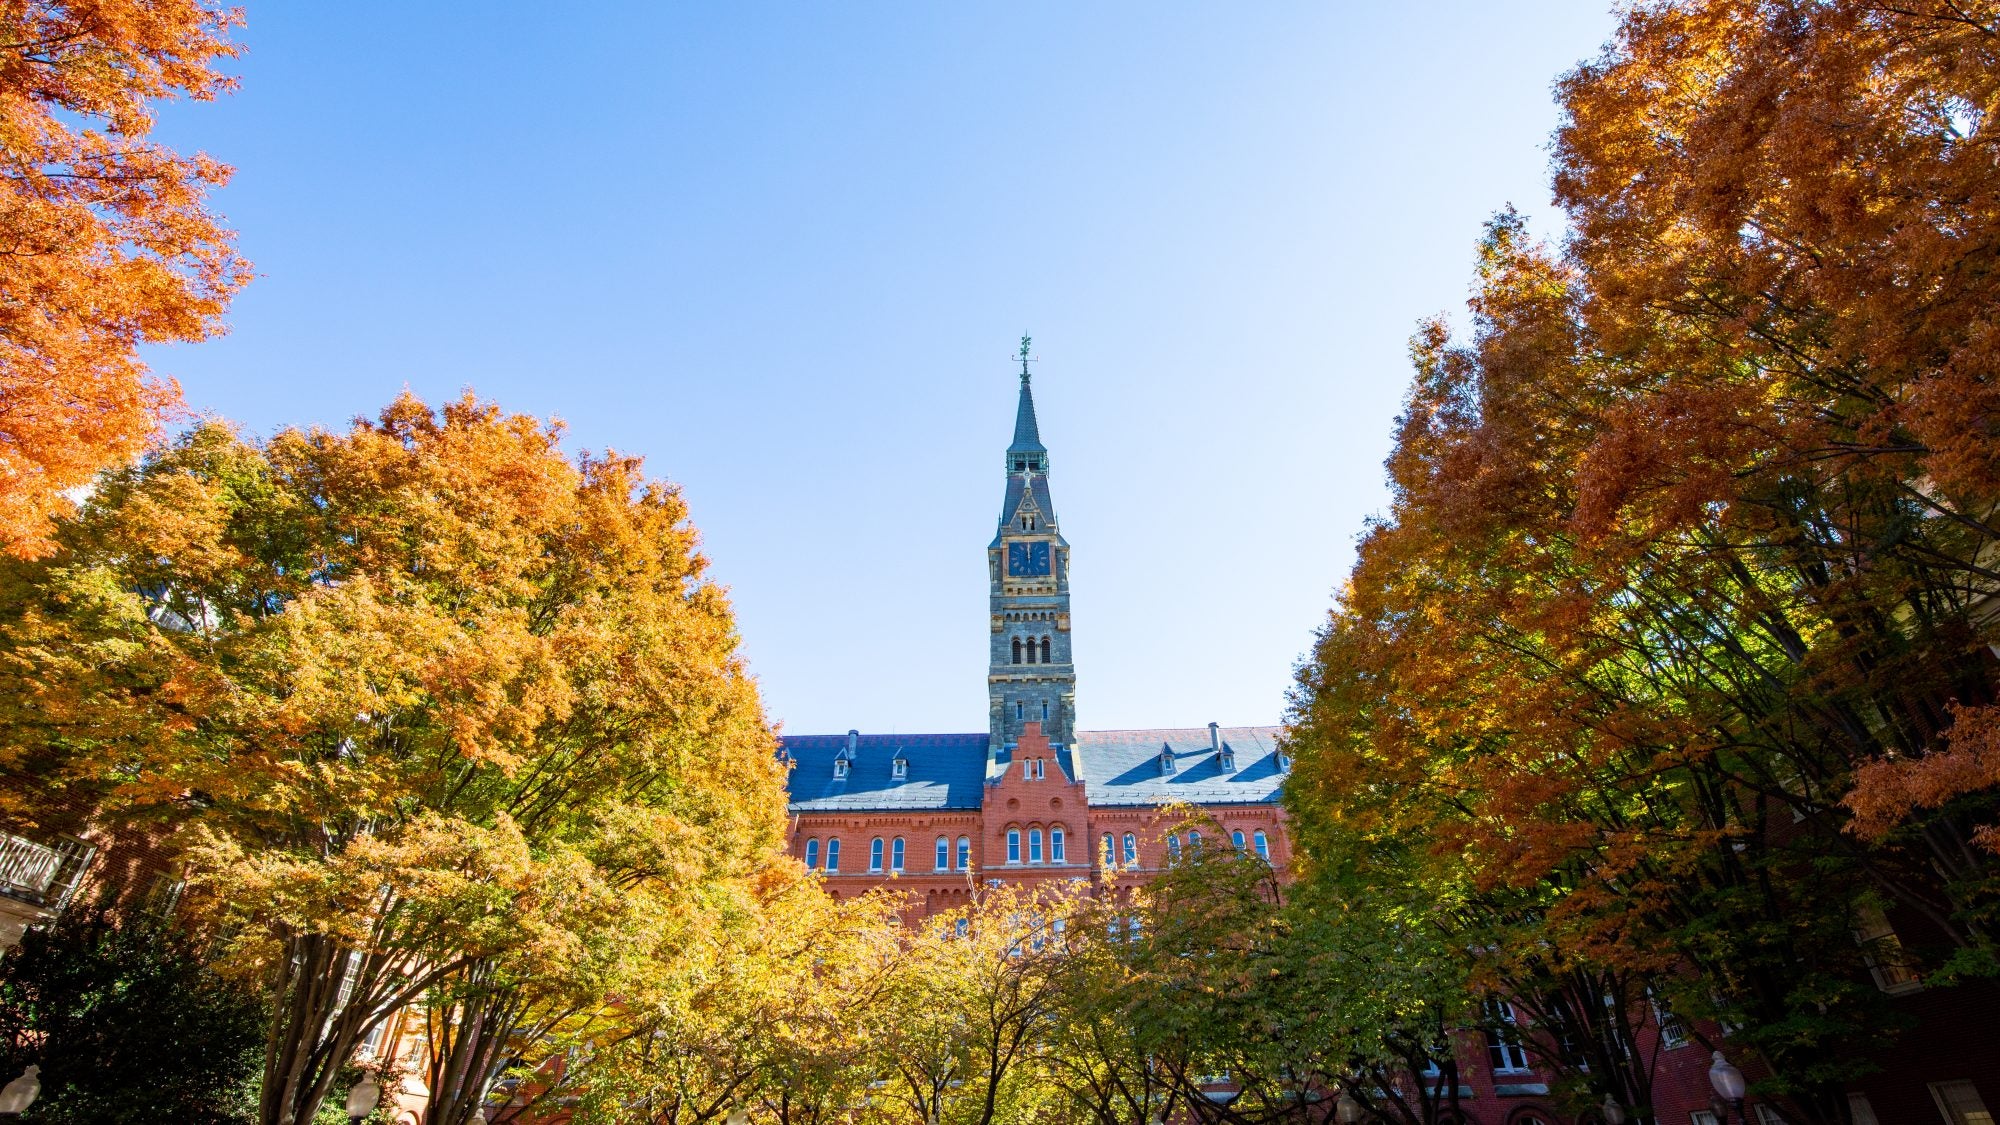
x=1027, y=435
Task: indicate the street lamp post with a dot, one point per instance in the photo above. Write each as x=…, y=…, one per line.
x=362, y=1099
x=1347, y=1111
x=18, y=1095
x=1729, y=1084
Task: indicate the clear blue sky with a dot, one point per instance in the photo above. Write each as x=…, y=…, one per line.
x=784, y=251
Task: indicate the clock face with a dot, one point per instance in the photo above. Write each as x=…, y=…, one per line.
x=1027, y=560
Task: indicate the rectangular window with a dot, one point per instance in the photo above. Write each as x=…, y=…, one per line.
x=1013, y=845
x=1883, y=951
x=1768, y=1115
x=1034, y=845
x=1056, y=846
x=1673, y=1033
x=1503, y=1039
x=1959, y=1103
x=1702, y=1117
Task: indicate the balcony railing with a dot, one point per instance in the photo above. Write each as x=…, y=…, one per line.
x=27, y=868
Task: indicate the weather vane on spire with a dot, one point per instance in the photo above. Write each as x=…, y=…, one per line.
x=1025, y=357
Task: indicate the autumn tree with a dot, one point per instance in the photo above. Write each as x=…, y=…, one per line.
x=428, y=702
x=1676, y=640
x=107, y=239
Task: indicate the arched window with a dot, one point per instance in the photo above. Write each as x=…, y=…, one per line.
x=943, y=853
x=1017, y=650
x=1131, y=850
x=1013, y=845
x=964, y=852
x=1045, y=712
x=833, y=855
x=896, y=854
x=1110, y=850
x=1045, y=650
x=812, y=853
x=1236, y=838
x=1034, y=845
x=1263, y=846
x=1173, y=849
x=1056, y=845
x=1031, y=650
x=1194, y=842
x=875, y=854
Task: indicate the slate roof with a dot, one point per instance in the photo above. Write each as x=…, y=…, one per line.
x=1121, y=768
x=1039, y=482
x=1027, y=435
x=947, y=771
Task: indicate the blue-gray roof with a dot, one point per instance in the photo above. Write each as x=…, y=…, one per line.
x=1123, y=767
x=947, y=771
x=1012, y=503
x=1120, y=767
x=1027, y=435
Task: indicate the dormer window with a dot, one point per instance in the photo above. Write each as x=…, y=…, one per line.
x=839, y=768
x=1284, y=761
x=1166, y=759
x=1225, y=759
x=899, y=769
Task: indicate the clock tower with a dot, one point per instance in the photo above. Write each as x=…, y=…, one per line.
x=1029, y=676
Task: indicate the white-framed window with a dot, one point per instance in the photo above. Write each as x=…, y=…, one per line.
x=1959, y=1103
x=833, y=854
x=875, y=854
x=812, y=852
x=1673, y=1033
x=943, y=853
x=1503, y=1039
x=1173, y=849
x=1263, y=845
x=1056, y=849
x=1769, y=1115
x=1883, y=951
x=1860, y=1110
x=964, y=853
x=839, y=768
x=1236, y=839
x=1034, y=845
x=1013, y=845
x=1110, y=850
x=899, y=769
x=1131, y=850
x=896, y=854
x=1194, y=841
x=1702, y=1117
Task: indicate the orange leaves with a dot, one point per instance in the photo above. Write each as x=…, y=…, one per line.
x=108, y=240
x=1888, y=791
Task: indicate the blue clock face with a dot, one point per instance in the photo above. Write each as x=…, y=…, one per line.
x=1027, y=560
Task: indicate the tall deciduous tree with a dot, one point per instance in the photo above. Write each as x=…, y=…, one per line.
x=107, y=240
x=426, y=698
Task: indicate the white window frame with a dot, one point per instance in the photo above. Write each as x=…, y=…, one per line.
x=1131, y=850
x=812, y=853
x=965, y=853
x=943, y=853
x=1959, y=1103
x=896, y=852
x=875, y=856
x=1505, y=1051
x=1263, y=845
x=833, y=855
x=1034, y=845
x=1058, y=851
x=1013, y=845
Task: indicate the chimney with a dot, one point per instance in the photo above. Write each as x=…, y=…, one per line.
x=853, y=745
x=1214, y=738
